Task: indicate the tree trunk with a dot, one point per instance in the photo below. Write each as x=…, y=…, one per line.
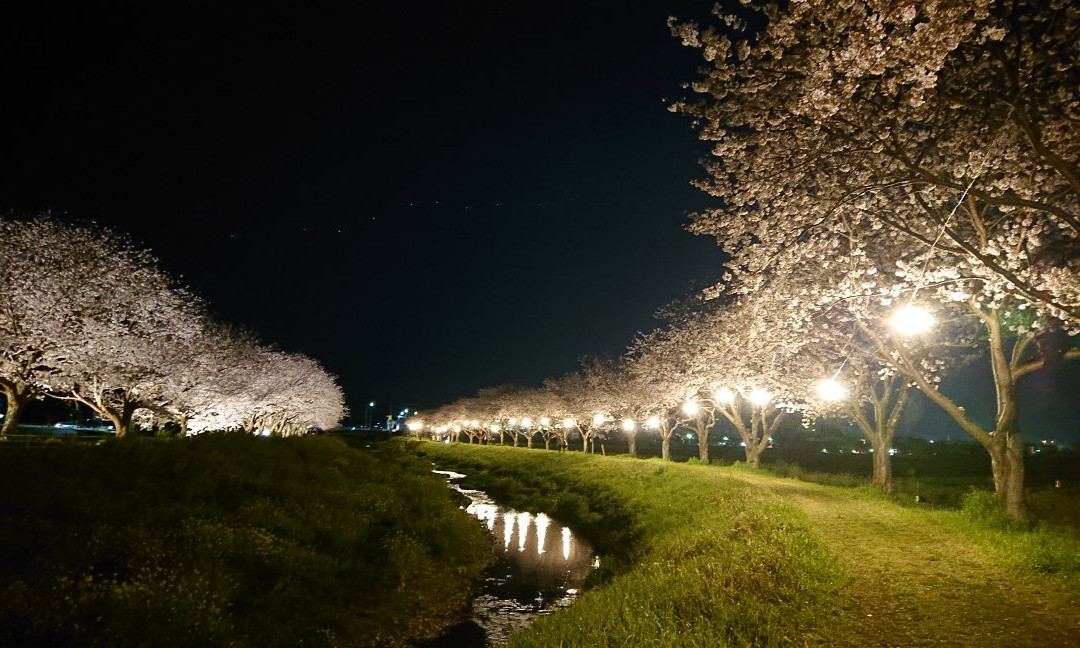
x=665, y=448
x=13, y=412
x=528, y=440
x=883, y=465
x=183, y=425
x=1008, y=465
x=753, y=456
x=584, y=444
x=547, y=443
x=632, y=442
x=122, y=420
x=703, y=444
x=515, y=439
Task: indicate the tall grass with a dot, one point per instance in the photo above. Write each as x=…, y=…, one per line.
x=229, y=540
x=690, y=556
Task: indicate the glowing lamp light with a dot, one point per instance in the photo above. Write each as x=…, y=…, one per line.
x=415, y=426
x=545, y=421
x=831, y=390
x=494, y=427
x=457, y=428
x=475, y=423
x=760, y=397
x=911, y=320
x=598, y=419
x=568, y=423
x=725, y=395
x=653, y=422
x=629, y=425
x=512, y=421
x=526, y=422
x=691, y=408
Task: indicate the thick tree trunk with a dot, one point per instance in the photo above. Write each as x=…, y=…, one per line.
x=13, y=411
x=703, y=444
x=1007, y=461
x=515, y=440
x=183, y=425
x=753, y=456
x=631, y=440
x=665, y=448
x=883, y=464
x=547, y=443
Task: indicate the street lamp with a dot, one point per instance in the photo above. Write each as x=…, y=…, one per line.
x=653, y=422
x=568, y=423
x=760, y=397
x=691, y=408
x=725, y=395
x=628, y=425
x=526, y=423
x=830, y=390
x=545, y=421
x=911, y=320
x=598, y=419
x=367, y=415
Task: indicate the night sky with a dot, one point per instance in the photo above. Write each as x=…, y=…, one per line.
x=428, y=199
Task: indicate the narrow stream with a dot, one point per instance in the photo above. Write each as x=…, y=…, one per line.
x=540, y=568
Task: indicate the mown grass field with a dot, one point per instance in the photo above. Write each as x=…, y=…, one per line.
x=229, y=540
x=700, y=555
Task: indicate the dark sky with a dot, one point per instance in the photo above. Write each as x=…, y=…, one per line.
x=428, y=199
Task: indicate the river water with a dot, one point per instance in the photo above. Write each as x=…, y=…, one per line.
x=540, y=569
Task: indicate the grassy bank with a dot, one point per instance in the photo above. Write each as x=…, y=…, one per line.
x=693, y=558
x=229, y=540
x=713, y=556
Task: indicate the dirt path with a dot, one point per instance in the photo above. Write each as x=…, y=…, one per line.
x=913, y=584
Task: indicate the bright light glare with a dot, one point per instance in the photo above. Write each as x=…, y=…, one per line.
x=526, y=422
x=512, y=420
x=760, y=397
x=725, y=395
x=415, y=426
x=691, y=408
x=653, y=422
x=568, y=423
x=598, y=419
x=545, y=421
x=831, y=390
x=457, y=428
x=628, y=425
x=911, y=320
x=494, y=427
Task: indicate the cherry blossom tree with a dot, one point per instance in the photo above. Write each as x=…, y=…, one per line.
x=953, y=123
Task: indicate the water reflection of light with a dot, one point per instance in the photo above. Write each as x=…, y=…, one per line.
x=508, y=529
x=523, y=519
x=566, y=543
x=542, y=523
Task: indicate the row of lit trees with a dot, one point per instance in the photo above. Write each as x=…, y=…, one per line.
x=900, y=197
x=85, y=316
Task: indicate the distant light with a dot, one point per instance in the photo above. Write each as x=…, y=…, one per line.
x=725, y=395
x=545, y=421
x=760, y=397
x=653, y=422
x=911, y=320
x=371, y=404
x=598, y=419
x=629, y=425
x=831, y=390
x=568, y=423
x=691, y=408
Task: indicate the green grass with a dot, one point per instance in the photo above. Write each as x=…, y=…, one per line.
x=229, y=540
x=690, y=556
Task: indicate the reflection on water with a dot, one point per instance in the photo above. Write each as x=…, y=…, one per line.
x=539, y=572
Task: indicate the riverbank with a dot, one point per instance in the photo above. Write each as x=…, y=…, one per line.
x=709, y=556
x=230, y=540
